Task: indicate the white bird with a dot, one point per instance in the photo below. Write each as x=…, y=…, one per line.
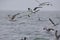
x=13, y=16
x=43, y=4
x=34, y=10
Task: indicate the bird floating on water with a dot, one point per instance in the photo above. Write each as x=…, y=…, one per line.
x=48, y=29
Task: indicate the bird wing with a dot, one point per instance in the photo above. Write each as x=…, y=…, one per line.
x=14, y=16
x=36, y=11
x=36, y=8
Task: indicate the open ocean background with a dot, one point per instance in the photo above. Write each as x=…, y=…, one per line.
x=30, y=27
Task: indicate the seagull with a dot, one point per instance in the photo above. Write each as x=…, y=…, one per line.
x=49, y=29
x=45, y=3
x=56, y=35
x=40, y=6
x=34, y=10
x=13, y=16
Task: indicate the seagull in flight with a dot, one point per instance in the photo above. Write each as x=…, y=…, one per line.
x=13, y=16
x=34, y=10
x=45, y=3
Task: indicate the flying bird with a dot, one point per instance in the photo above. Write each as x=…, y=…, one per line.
x=13, y=16
x=45, y=3
x=34, y=10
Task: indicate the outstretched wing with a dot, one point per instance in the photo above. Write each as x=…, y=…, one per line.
x=36, y=11
x=36, y=8
x=14, y=16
